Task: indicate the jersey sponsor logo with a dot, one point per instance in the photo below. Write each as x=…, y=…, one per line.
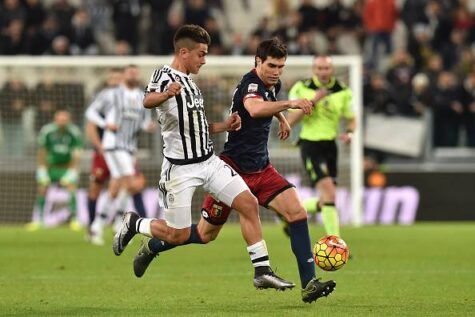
x=171, y=198
x=194, y=102
x=252, y=88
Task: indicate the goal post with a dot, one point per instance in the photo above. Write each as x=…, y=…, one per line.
x=77, y=80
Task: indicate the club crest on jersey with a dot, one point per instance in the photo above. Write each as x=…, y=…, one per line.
x=177, y=78
x=217, y=210
x=171, y=198
x=252, y=88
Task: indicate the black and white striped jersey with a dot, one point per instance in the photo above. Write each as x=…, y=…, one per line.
x=122, y=107
x=182, y=118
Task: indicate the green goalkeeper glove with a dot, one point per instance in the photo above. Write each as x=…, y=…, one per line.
x=42, y=176
x=70, y=177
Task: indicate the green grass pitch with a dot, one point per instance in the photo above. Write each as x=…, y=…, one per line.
x=421, y=270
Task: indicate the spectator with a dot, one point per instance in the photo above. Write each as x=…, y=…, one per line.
x=311, y=17
x=377, y=97
x=175, y=20
x=448, y=110
x=9, y=11
x=413, y=13
x=63, y=11
x=126, y=17
x=469, y=113
x=452, y=50
x=14, y=98
x=289, y=30
x=196, y=12
x=399, y=77
x=216, y=47
x=158, y=22
x=83, y=41
x=35, y=15
x=60, y=46
x=39, y=42
x=419, y=45
x=12, y=41
x=421, y=94
x=439, y=23
x=434, y=67
x=379, y=20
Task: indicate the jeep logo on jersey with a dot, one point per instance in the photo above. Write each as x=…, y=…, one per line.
x=194, y=102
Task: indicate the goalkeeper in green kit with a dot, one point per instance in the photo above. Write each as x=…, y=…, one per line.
x=317, y=139
x=59, y=146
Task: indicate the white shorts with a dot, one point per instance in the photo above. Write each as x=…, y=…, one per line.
x=178, y=183
x=120, y=163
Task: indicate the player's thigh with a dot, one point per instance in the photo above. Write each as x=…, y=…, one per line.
x=176, y=188
x=315, y=162
x=289, y=205
x=99, y=170
x=223, y=182
x=120, y=163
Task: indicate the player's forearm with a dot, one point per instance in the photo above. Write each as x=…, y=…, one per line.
x=76, y=156
x=217, y=127
x=93, y=136
x=260, y=108
x=294, y=117
x=41, y=157
x=155, y=99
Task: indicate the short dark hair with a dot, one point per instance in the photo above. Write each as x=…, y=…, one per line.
x=190, y=34
x=273, y=48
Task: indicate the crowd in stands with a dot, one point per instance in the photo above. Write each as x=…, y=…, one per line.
x=418, y=54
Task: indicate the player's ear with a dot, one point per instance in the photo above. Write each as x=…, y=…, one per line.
x=258, y=61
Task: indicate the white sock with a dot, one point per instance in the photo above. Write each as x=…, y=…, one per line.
x=143, y=226
x=258, y=253
x=107, y=209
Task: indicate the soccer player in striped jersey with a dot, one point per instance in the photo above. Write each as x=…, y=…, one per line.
x=100, y=173
x=119, y=112
x=189, y=161
x=247, y=153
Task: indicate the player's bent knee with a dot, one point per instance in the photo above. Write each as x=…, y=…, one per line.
x=295, y=214
x=246, y=203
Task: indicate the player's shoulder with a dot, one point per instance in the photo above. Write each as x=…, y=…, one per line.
x=48, y=128
x=339, y=87
x=74, y=130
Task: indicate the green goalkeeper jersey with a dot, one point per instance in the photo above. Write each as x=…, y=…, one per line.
x=324, y=121
x=59, y=143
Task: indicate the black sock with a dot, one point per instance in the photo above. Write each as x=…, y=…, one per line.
x=259, y=270
x=156, y=245
x=139, y=206
x=91, y=208
x=300, y=242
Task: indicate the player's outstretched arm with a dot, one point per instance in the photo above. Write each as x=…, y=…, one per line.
x=232, y=123
x=284, y=127
x=155, y=99
x=259, y=108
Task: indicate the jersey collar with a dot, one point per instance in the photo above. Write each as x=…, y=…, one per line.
x=330, y=84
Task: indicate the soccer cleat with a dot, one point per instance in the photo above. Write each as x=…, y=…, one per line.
x=316, y=289
x=34, y=226
x=143, y=258
x=125, y=234
x=75, y=225
x=269, y=279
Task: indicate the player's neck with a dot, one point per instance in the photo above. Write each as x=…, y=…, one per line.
x=179, y=66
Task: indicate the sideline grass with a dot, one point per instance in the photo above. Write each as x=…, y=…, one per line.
x=422, y=270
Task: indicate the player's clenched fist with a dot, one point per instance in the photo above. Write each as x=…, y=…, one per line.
x=173, y=89
x=304, y=104
x=233, y=122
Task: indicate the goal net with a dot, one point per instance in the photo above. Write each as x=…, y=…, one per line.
x=32, y=88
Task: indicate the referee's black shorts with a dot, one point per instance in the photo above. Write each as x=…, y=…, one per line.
x=319, y=159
